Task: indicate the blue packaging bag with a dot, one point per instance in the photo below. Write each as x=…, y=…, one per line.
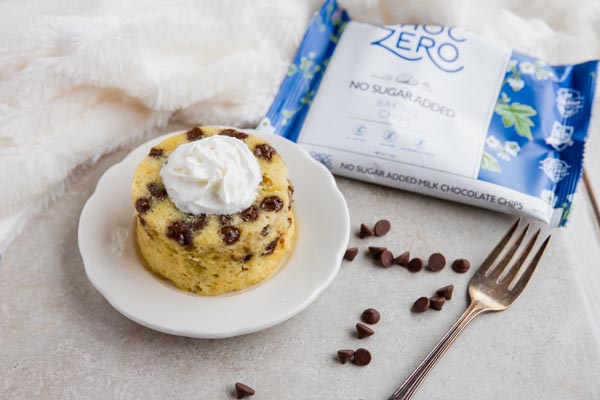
x=439, y=111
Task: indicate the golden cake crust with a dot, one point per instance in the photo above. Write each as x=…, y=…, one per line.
x=213, y=254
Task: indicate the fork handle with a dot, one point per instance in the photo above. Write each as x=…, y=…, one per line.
x=411, y=384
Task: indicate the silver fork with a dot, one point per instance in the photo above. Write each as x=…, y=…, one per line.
x=492, y=288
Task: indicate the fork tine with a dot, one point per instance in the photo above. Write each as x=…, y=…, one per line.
x=510, y=253
x=498, y=249
x=524, y=279
x=514, y=269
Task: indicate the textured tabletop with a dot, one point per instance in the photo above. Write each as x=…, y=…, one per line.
x=60, y=339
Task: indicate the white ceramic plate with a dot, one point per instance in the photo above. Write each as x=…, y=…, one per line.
x=106, y=243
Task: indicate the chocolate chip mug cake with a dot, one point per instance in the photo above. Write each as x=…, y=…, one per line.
x=213, y=210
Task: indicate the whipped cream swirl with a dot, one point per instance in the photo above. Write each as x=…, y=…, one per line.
x=216, y=175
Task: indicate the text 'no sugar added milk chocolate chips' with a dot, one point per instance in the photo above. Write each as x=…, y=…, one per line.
x=461, y=265
x=243, y=391
x=370, y=316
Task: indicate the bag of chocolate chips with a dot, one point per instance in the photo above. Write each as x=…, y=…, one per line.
x=439, y=111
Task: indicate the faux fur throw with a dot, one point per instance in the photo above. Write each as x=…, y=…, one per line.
x=79, y=78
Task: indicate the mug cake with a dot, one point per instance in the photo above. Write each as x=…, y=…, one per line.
x=213, y=210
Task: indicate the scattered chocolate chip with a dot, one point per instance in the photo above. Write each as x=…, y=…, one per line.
x=230, y=234
x=142, y=205
x=386, y=258
x=402, y=259
x=142, y=221
x=247, y=257
x=197, y=222
x=234, y=133
x=370, y=316
x=225, y=219
x=436, y=262
x=365, y=231
x=415, y=265
x=345, y=355
x=157, y=190
x=156, y=153
x=437, y=302
x=351, y=253
x=264, y=151
x=445, y=291
x=272, y=203
x=267, y=228
x=376, y=251
x=422, y=304
x=382, y=227
x=194, y=134
x=181, y=233
x=363, y=331
x=270, y=247
x=461, y=265
x=243, y=391
x=362, y=357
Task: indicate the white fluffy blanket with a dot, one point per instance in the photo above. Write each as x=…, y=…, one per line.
x=79, y=78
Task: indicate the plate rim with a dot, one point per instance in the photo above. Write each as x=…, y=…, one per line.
x=237, y=331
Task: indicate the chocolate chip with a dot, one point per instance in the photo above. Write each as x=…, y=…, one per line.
x=230, y=234
x=181, y=233
x=351, y=253
x=362, y=357
x=437, y=302
x=142, y=205
x=370, y=316
x=385, y=258
x=363, y=331
x=264, y=151
x=461, y=265
x=422, y=304
x=272, y=203
x=270, y=247
x=436, y=262
x=157, y=191
x=242, y=390
x=382, y=227
x=156, y=153
x=194, y=134
x=345, y=355
x=445, y=291
x=365, y=231
x=233, y=133
x=225, y=219
x=249, y=214
x=247, y=257
x=402, y=259
x=376, y=251
x=415, y=265
x=266, y=229
x=197, y=222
